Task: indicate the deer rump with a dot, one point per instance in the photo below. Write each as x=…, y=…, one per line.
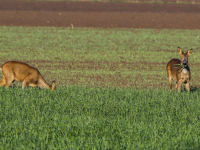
x=28, y=75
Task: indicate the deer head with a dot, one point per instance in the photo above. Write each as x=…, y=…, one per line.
x=184, y=56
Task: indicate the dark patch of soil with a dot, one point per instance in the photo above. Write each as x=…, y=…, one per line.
x=100, y=15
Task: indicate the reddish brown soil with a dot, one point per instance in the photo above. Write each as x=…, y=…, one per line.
x=101, y=15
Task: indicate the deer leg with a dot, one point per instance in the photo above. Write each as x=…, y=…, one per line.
x=179, y=86
x=33, y=85
x=24, y=84
x=176, y=86
x=187, y=86
x=170, y=83
x=3, y=81
x=9, y=79
x=29, y=81
x=8, y=83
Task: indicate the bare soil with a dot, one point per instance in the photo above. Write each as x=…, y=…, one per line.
x=100, y=15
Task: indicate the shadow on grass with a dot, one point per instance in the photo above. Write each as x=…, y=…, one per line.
x=194, y=89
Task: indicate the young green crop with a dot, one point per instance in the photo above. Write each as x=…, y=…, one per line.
x=100, y=57
x=48, y=43
x=97, y=118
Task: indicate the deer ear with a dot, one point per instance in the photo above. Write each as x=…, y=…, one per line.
x=180, y=51
x=189, y=52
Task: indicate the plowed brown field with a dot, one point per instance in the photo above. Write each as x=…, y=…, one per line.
x=101, y=15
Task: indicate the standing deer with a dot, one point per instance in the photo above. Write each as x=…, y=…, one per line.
x=24, y=73
x=178, y=70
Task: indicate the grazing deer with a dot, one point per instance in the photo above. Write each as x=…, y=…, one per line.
x=24, y=73
x=178, y=70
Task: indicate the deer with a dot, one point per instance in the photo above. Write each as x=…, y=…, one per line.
x=22, y=72
x=178, y=70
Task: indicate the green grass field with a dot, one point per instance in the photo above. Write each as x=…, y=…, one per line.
x=112, y=90
x=100, y=57
x=98, y=118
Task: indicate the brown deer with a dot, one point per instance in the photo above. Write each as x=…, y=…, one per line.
x=178, y=70
x=24, y=73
